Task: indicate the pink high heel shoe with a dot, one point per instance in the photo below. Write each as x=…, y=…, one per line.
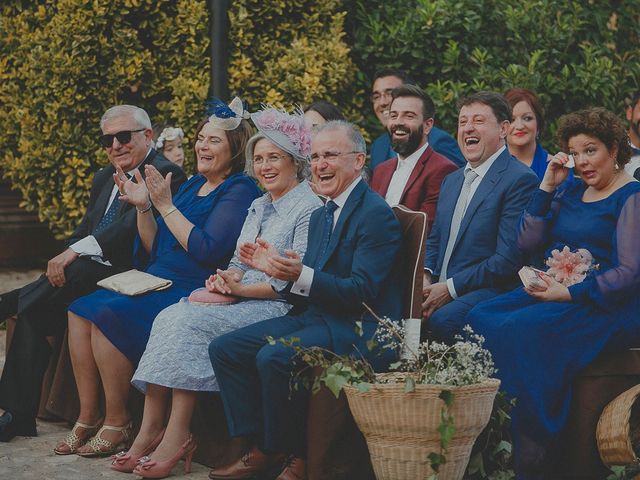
x=125, y=462
x=148, y=468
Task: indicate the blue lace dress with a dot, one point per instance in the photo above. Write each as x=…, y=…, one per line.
x=177, y=352
x=539, y=347
x=217, y=217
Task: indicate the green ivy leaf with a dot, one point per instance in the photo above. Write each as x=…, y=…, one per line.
x=358, y=328
x=409, y=384
x=335, y=383
x=363, y=387
x=447, y=397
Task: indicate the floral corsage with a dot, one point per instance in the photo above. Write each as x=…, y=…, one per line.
x=570, y=267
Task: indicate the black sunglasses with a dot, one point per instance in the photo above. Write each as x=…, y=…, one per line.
x=123, y=137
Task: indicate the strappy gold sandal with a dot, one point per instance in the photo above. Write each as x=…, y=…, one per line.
x=101, y=447
x=73, y=441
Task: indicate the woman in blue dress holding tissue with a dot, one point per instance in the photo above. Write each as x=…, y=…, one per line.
x=542, y=335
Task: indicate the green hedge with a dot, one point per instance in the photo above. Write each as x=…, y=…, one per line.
x=63, y=62
x=573, y=53
x=291, y=52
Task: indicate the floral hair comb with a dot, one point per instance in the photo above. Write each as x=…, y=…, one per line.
x=168, y=134
x=287, y=130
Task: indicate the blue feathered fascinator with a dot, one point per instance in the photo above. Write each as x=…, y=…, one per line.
x=226, y=117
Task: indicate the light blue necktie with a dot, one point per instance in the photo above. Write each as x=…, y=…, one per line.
x=456, y=220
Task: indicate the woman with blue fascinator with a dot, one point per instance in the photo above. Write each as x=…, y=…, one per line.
x=176, y=362
x=194, y=234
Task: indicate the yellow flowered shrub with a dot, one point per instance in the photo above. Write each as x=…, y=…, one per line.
x=289, y=52
x=64, y=62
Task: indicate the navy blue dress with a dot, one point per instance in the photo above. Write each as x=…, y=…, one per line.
x=539, y=347
x=218, y=218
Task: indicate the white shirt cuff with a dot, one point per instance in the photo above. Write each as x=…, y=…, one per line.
x=302, y=286
x=88, y=246
x=452, y=289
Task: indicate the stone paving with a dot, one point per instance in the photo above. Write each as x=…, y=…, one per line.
x=33, y=458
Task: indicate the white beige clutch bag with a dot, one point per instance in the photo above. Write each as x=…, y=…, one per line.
x=134, y=282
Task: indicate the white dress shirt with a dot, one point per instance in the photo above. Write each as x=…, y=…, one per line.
x=302, y=286
x=634, y=162
x=401, y=175
x=89, y=246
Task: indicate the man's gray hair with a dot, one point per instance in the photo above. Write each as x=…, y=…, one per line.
x=139, y=115
x=353, y=133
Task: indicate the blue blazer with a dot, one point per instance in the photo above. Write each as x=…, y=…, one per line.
x=485, y=253
x=440, y=141
x=359, y=266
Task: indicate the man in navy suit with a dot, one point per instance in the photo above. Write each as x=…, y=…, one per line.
x=100, y=246
x=352, y=248
x=471, y=251
x=381, y=149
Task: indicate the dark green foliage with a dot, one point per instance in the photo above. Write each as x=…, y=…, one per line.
x=64, y=62
x=572, y=53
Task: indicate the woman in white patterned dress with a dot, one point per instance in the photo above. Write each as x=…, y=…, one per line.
x=176, y=360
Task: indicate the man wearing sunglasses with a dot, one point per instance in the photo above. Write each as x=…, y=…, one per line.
x=101, y=245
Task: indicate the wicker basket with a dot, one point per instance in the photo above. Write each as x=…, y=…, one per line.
x=614, y=430
x=401, y=429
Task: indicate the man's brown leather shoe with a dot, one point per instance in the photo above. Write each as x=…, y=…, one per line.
x=294, y=469
x=252, y=463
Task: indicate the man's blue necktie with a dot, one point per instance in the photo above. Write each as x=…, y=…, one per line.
x=329, y=208
x=109, y=216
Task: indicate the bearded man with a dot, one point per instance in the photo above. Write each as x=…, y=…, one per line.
x=414, y=176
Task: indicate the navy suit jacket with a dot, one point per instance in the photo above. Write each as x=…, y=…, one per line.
x=359, y=266
x=116, y=240
x=485, y=253
x=439, y=140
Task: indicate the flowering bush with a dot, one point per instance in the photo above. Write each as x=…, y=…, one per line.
x=569, y=267
x=464, y=363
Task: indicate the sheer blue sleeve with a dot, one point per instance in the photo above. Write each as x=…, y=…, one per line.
x=612, y=286
x=216, y=240
x=537, y=219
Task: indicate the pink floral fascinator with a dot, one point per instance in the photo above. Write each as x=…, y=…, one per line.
x=286, y=130
x=226, y=117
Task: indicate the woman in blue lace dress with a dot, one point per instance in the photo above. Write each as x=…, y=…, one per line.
x=542, y=336
x=176, y=362
x=194, y=234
